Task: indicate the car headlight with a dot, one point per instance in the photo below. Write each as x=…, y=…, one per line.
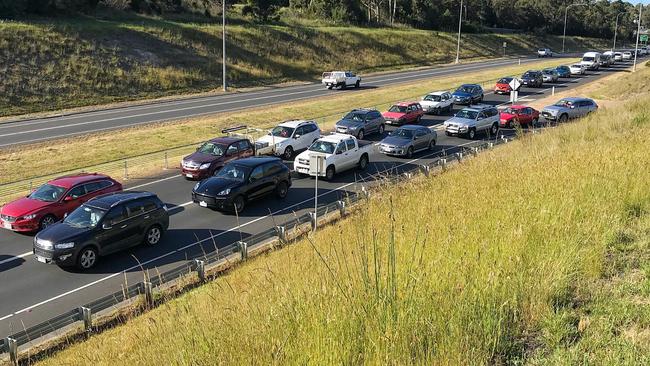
x=278, y=145
x=224, y=192
x=196, y=186
x=64, y=245
x=353, y=127
x=29, y=217
x=204, y=166
x=463, y=128
x=45, y=244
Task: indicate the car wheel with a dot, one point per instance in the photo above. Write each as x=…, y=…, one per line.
x=281, y=190
x=471, y=133
x=238, y=204
x=288, y=153
x=381, y=130
x=360, y=135
x=329, y=87
x=447, y=133
x=87, y=258
x=46, y=221
x=450, y=108
x=534, y=122
x=417, y=120
x=563, y=118
x=329, y=172
x=495, y=128
x=153, y=235
x=409, y=152
x=432, y=145
x=357, y=84
x=363, y=162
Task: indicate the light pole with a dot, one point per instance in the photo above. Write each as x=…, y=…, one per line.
x=616, y=29
x=566, y=12
x=638, y=33
x=460, y=23
x=223, y=37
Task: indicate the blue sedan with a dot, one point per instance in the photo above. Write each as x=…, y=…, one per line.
x=468, y=94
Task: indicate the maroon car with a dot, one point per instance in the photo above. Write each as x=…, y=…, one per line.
x=51, y=201
x=213, y=155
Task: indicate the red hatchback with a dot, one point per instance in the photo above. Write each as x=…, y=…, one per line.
x=518, y=114
x=404, y=113
x=50, y=202
x=503, y=86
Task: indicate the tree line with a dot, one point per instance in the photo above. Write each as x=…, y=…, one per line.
x=596, y=19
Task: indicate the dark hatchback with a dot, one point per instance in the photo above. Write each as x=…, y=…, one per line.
x=563, y=71
x=101, y=226
x=242, y=181
x=533, y=78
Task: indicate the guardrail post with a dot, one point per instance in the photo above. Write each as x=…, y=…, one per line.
x=459, y=156
x=553, y=91
x=408, y=175
x=504, y=138
x=341, y=206
x=126, y=170
x=243, y=249
x=12, y=348
x=443, y=163
x=148, y=293
x=365, y=192
x=425, y=169
x=166, y=161
x=519, y=61
x=475, y=151
x=312, y=219
x=200, y=269
x=490, y=144
x=282, y=234
x=87, y=317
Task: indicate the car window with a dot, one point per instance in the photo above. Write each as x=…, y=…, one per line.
x=244, y=145
x=492, y=112
x=350, y=144
x=77, y=191
x=481, y=115
x=115, y=215
x=272, y=169
x=97, y=186
x=341, y=147
x=232, y=149
x=299, y=131
x=309, y=128
x=258, y=173
x=149, y=204
x=420, y=132
x=134, y=208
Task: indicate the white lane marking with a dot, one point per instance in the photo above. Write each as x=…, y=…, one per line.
x=16, y=257
x=201, y=241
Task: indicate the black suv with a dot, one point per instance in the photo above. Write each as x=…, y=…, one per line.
x=103, y=225
x=241, y=181
x=533, y=78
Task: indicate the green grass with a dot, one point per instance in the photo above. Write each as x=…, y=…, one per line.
x=55, y=64
x=500, y=260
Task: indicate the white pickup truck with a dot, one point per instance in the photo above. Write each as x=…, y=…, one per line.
x=341, y=152
x=340, y=79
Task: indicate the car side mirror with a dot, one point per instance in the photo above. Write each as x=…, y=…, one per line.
x=572, y=107
x=415, y=137
x=68, y=198
x=65, y=215
x=339, y=152
x=296, y=136
x=106, y=226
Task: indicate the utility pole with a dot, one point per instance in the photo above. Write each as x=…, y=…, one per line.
x=223, y=37
x=638, y=34
x=460, y=23
x=566, y=12
x=616, y=29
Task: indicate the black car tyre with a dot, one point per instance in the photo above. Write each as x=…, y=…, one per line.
x=563, y=118
x=432, y=144
x=358, y=84
x=363, y=162
x=87, y=258
x=238, y=204
x=471, y=133
x=46, y=221
x=360, y=135
x=409, y=152
x=288, y=153
x=382, y=128
x=481, y=98
x=329, y=87
x=153, y=235
x=281, y=190
x=329, y=172
x=418, y=119
x=447, y=133
x=495, y=128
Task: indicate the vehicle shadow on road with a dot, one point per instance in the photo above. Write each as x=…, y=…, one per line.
x=9, y=262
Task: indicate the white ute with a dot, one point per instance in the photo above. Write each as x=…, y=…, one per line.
x=437, y=102
x=287, y=138
x=340, y=79
x=341, y=152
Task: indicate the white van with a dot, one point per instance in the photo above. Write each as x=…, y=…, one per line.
x=591, y=60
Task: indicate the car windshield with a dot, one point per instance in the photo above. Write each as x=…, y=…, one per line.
x=403, y=133
x=542, y=49
x=588, y=58
x=562, y=68
x=464, y=89
x=47, y=193
x=548, y=71
x=528, y=75
x=323, y=147
x=212, y=149
x=354, y=116
x=564, y=103
x=432, y=98
x=510, y=110
x=85, y=217
x=576, y=66
x=467, y=114
x=233, y=172
x=398, y=109
x=504, y=81
x=282, y=131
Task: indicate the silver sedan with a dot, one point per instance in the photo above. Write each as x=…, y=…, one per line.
x=407, y=140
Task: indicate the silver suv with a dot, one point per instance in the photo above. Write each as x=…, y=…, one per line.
x=569, y=108
x=469, y=121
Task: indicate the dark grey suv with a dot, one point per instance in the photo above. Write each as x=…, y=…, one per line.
x=101, y=226
x=361, y=122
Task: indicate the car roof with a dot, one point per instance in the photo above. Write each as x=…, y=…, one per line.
x=106, y=201
x=335, y=137
x=438, y=92
x=405, y=104
x=518, y=106
x=363, y=110
x=253, y=162
x=226, y=140
x=411, y=127
x=575, y=99
x=295, y=123
x=478, y=107
x=72, y=180
x=470, y=85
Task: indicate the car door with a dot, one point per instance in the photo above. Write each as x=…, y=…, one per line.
x=524, y=116
x=134, y=226
x=420, y=141
x=112, y=235
x=312, y=133
x=481, y=121
x=232, y=152
x=342, y=156
x=257, y=183
x=72, y=199
x=300, y=138
x=245, y=149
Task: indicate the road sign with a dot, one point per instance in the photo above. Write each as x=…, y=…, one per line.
x=514, y=84
x=505, y=44
x=643, y=37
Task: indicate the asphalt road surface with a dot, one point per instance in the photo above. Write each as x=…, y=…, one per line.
x=32, y=292
x=44, y=129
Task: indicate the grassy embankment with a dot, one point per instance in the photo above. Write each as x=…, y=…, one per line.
x=75, y=153
x=56, y=64
x=536, y=252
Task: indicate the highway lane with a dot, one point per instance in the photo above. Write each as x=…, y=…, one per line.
x=44, y=129
x=32, y=292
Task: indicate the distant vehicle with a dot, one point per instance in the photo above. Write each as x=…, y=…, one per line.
x=618, y=56
x=627, y=55
x=468, y=94
x=213, y=155
x=563, y=71
x=242, y=181
x=532, y=79
x=606, y=60
x=340, y=79
x=567, y=108
x=471, y=120
x=550, y=75
x=341, y=152
x=591, y=60
x=407, y=140
x=578, y=69
x=404, y=113
x=503, y=86
x=361, y=122
x=101, y=226
x=437, y=102
x=518, y=115
x=544, y=52
x=50, y=202
x=287, y=138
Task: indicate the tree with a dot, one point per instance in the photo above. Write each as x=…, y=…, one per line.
x=262, y=10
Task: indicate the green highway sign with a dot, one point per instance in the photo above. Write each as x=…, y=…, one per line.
x=643, y=38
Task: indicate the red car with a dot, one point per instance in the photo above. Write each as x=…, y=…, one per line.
x=404, y=113
x=213, y=155
x=503, y=86
x=521, y=114
x=50, y=202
